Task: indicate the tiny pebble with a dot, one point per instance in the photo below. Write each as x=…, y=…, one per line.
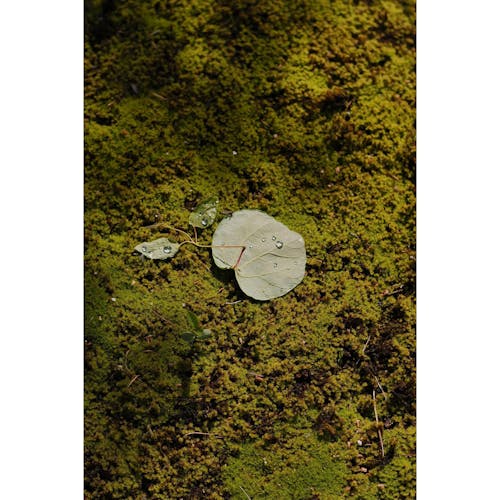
x=360, y=443
x=113, y=299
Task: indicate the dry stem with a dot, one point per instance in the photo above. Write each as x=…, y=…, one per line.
x=379, y=431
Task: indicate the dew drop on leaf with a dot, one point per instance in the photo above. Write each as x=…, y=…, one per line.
x=204, y=214
x=161, y=249
x=261, y=272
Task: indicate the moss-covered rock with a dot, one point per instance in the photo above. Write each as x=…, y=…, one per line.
x=305, y=110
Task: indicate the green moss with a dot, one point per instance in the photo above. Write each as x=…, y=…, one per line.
x=305, y=110
x=312, y=470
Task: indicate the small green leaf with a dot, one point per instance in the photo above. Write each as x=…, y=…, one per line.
x=189, y=337
x=162, y=249
x=193, y=319
x=204, y=214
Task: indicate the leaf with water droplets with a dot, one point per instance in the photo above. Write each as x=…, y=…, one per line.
x=204, y=214
x=268, y=258
x=162, y=249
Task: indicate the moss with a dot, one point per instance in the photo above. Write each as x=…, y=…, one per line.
x=313, y=469
x=302, y=109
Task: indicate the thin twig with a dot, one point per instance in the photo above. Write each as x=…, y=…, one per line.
x=158, y=95
x=380, y=387
x=197, y=433
x=258, y=376
x=132, y=381
x=246, y=494
x=161, y=316
x=194, y=242
x=168, y=226
x=378, y=426
x=366, y=343
x=395, y=289
x=125, y=360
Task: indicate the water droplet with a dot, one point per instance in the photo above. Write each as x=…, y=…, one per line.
x=275, y=265
x=250, y=246
x=167, y=249
x=279, y=244
x=263, y=240
x=204, y=221
x=274, y=238
x=144, y=249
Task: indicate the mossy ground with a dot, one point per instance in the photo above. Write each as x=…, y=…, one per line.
x=305, y=110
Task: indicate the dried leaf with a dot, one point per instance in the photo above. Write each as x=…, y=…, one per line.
x=268, y=258
x=162, y=249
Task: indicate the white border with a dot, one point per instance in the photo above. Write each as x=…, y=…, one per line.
x=41, y=206
x=458, y=274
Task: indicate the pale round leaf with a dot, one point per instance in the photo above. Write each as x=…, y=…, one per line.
x=268, y=258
